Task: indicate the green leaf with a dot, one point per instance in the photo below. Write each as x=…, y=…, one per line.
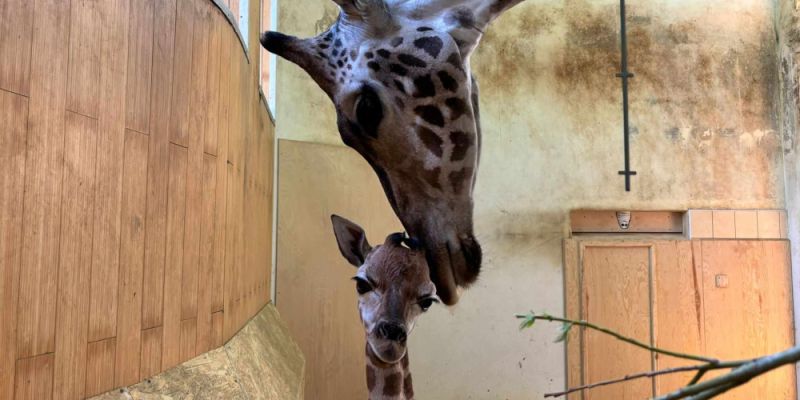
x=527, y=321
x=564, y=332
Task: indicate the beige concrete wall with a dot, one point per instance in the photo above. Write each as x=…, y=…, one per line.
x=704, y=135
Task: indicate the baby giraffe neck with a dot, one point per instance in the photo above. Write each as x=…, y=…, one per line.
x=388, y=381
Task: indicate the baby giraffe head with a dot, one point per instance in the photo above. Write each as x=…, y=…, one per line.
x=393, y=284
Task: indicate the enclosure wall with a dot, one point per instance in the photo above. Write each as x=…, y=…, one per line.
x=704, y=135
x=135, y=190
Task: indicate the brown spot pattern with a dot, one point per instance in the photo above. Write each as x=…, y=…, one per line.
x=457, y=107
x=461, y=144
x=458, y=178
x=408, y=387
x=391, y=385
x=370, y=378
x=411, y=61
x=430, y=44
x=431, y=115
x=425, y=87
x=431, y=140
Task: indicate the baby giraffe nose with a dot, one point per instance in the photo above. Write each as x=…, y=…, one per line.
x=392, y=331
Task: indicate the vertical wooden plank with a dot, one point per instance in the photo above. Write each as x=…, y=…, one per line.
x=234, y=217
x=110, y=148
x=218, y=279
x=42, y=199
x=140, y=62
x=618, y=276
x=207, y=250
x=188, y=339
x=129, y=321
x=16, y=29
x=182, y=76
x=724, y=224
x=75, y=257
x=777, y=316
x=83, y=91
x=157, y=179
x=14, y=113
x=217, y=338
x=218, y=26
x=151, y=352
x=746, y=224
x=195, y=172
x=34, y=378
x=572, y=292
x=678, y=312
x=100, y=366
x=176, y=214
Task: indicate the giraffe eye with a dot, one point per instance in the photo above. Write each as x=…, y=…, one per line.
x=362, y=286
x=369, y=111
x=426, y=303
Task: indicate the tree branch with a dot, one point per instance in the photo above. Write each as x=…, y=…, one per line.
x=737, y=377
x=529, y=319
x=700, y=368
x=743, y=371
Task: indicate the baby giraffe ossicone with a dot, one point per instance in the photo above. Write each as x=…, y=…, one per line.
x=394, y=288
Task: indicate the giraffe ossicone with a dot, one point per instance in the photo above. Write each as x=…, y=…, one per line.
x=398, y=74
x=394, y=289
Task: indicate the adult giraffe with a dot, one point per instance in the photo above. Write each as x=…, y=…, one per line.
x=398, y=73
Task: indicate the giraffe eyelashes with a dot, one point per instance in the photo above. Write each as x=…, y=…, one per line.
x=426, y=303
x=362, y=285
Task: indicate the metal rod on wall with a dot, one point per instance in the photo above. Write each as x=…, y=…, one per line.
x=625, y=75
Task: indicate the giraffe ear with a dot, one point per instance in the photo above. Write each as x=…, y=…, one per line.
x=352, y=240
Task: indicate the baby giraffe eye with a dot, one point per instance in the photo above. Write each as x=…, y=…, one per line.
x=362, y=286
x=426, y=303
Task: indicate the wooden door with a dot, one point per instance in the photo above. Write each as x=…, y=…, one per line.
x=616, y=291
x=724, y=299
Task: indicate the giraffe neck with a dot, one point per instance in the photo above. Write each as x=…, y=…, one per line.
x=388, y=381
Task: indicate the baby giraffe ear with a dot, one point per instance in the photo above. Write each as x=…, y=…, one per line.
x=352, y=240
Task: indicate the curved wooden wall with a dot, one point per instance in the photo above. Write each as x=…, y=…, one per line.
x=135, y=190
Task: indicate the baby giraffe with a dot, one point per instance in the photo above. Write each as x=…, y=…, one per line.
x=394, y=288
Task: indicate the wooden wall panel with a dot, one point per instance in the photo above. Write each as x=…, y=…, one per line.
x=44, y=164
x=151, y=352
x=157, y=180
x=34, y=378
x=140, y=62
x=617, y=275
x=678, y=309
x=215, y=64
x=110, y=153
x=131, y=266
x=743, y=325
x=207, y=250
x=16, y=29
x=83, y=92
x=194, y=180
x=188, y=346
x=14, y=113
x=128, y=128
x=75, y=261
x=182, y=76
x=176, y=215
x=100, y=366
x=218, y=274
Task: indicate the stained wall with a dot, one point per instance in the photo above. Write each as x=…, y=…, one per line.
x=135, y=190
x=705, y=134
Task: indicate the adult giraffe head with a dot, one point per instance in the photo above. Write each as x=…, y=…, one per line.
x=398, y=74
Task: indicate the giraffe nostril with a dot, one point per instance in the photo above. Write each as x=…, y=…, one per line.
x=393, y=332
